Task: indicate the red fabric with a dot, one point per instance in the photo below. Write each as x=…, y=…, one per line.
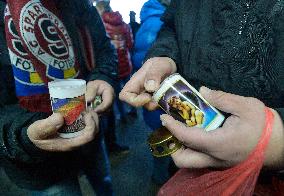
x=239, y=180
x=122, y=39
x=16, y=8
x=46, y=45
x=36, y=103
x=14, y=44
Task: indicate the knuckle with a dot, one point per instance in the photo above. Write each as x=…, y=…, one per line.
x=220, y=95
x=254, y=101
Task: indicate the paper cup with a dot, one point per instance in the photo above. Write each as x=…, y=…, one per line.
x=68, y=98
x=184, y=103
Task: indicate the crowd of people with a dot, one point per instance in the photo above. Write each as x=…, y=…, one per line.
x=231, y=50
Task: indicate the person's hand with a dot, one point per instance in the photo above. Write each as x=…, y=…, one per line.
x=103, y=89
x=234, y=141
x=43, y=133
x=146, y=80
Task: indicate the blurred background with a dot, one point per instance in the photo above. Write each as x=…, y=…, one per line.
x=125, y=6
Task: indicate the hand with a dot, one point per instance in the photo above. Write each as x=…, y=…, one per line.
x=44, y=135
x=234, y=141
x=147, y=80
x=100, y=88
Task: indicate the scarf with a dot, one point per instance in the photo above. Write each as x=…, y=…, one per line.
x=40, y=50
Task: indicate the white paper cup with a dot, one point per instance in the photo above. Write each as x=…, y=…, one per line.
x=184, y=103
x=68, y=98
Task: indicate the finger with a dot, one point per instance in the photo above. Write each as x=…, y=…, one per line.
x=64, y=145
x=133, y=88
x=91, y=91
x=193, y=137
x=229, y=103
x=135, y=100
x=95, y=118
x=107, y=97
x=45, y=128
x=155, y=75
x=188, y=158
x=151, y=106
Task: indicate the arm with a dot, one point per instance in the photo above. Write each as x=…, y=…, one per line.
x=14, y=142
x=106, y=59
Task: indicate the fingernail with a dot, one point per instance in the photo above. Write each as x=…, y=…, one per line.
x=151, y=85
x=163, y=119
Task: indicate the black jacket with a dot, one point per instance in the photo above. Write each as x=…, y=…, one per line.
x=20, y=156
x=234, y=46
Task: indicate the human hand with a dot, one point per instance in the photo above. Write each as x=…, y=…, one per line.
x=231, y=143
x=147, y=80
x=43, y=133
x=103, y=89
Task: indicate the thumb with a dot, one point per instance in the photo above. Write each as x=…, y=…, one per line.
x=45, y=128
x=229, y=103
x=91, y=91
x=159, y=68
x=153, y=80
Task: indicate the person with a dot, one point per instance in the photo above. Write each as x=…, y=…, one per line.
x=35, y=157
x=235, y=50
x=133, y=24
x=150, y=15
x=121, y=38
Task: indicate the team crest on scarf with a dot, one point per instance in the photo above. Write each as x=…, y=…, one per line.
x=47, y=39
x=26, y=78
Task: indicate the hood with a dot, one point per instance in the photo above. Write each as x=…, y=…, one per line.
x=112, y=18
x=151, y=8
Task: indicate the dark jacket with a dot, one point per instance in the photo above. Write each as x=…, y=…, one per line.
x=227, y=45
x=213, y=46
x=23, y=161
x=122, y=39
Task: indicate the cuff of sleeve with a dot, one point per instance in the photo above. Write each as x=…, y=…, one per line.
x=280, y=112
x=160, y=54
x=102, y=76
x=29, y=147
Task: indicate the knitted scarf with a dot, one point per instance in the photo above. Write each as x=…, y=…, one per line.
x=40, y=50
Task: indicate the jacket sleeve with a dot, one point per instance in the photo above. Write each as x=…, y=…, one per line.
x=105, y=54
x=14, y=142
x=166, y=43
x=14, y=120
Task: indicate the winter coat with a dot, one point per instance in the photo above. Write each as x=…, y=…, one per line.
x=224, y=45
x=121, y=37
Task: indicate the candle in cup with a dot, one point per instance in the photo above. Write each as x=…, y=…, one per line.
x=68, y=98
